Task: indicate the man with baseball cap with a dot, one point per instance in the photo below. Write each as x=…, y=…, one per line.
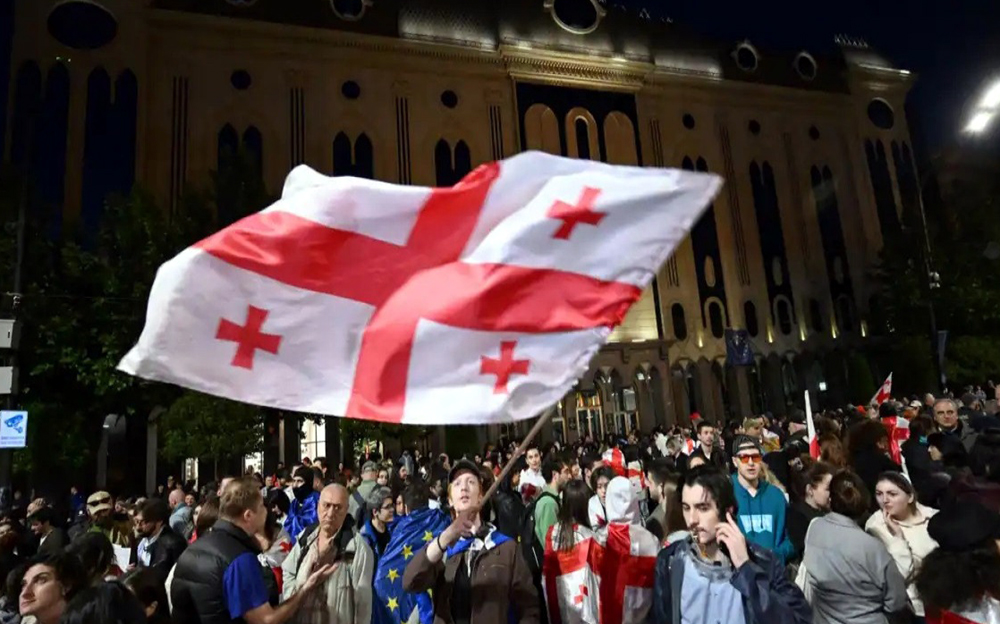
x=369, y=481
x=761, y=506
x=103, y=520
x=475, y=573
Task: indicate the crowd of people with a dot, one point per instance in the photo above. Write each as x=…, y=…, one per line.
x=891, y=513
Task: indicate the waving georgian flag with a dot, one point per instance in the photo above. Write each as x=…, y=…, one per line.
x=814, y=450
x=479, y=303
x=883, y=393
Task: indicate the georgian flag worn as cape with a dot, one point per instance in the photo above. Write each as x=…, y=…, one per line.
x=479, y=303
x=607, y=576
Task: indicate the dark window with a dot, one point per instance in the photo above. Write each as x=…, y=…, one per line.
x=679, y=321
x=582, y=138
x=754, y=127
x=814, y=133
x=241, y=80
x=463, y=160
x=881, y=114
x=750, y=317
x=449, y=99
x=229, y=144
x=576, y=14
x=342, y=161
x=82, y=25
x=805, y=66
x=253, y=142
x=350, y=90
x=349, y=9
x=746, y=58
x=364, y=157
x=845, y=315
x=715, y=321
x=784, y=317
x=816, y=316
x=688, y=121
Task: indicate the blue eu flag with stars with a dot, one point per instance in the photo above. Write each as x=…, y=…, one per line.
x=392, y=605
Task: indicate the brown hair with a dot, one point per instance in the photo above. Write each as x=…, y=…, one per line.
x=849, y=496
x=813, y=475
x=831, y=451
x=240, y=495
x=207, y=516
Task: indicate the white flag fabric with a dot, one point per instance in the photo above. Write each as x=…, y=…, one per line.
x=474, y=304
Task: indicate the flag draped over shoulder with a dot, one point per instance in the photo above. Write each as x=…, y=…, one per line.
x=392, y=605
x=475, y=304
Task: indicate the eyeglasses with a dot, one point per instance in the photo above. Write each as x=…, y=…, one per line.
x=746, y=459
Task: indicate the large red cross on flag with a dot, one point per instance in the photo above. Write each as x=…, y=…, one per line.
x=479, y=303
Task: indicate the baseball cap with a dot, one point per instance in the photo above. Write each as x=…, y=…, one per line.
x=744, y=442
x=369, y=466
x=462, y=466
x=963, y=525
x=99, y=501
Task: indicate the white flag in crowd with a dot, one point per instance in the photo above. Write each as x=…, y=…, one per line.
x=479, y=303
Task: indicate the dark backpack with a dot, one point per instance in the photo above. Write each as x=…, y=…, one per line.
x=531, y=546
x=362, y=509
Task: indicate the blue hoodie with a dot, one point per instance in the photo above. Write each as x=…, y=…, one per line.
x=762, y=517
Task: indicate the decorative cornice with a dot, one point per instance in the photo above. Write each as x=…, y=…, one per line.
x=569, y=69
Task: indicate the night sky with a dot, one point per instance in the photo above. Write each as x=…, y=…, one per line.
x=953, y=45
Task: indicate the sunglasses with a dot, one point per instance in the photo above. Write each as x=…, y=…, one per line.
x=746, y=459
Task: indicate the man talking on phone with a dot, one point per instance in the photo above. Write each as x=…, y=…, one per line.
x=714, y=575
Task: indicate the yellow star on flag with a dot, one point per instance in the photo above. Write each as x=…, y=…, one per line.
x=393, y=574
x=428, y=536
x=407, y=551
x=393, y=604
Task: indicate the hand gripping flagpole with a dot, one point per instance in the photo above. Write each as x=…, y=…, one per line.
x=521, y=450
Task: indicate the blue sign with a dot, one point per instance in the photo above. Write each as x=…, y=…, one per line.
x=13, y=429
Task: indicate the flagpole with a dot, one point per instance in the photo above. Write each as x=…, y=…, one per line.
x=542, y=420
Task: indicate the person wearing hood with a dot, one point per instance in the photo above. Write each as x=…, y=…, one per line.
x=508, y=507
x=302, y=511
x=761, y=506
x=901, y=524
x=475, y=573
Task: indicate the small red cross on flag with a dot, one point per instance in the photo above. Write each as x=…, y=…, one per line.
x=884, y=392
x=407, y=304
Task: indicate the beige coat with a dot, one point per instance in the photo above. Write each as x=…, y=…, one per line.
x=349, y=588
x=908, y=550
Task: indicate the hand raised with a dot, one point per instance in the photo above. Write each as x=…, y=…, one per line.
x=729, y=533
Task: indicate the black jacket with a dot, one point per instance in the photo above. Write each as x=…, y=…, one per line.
x=54, y=544
x=768, y=596
x=165, y=552
x=797, y=522
x=509, y=511
x=196, y=591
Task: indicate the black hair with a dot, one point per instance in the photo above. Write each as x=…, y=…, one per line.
x=552, y=467
x=278, y=498
x=716, y=483
x=702, y=424
x=416, y=496
x=865, y=436
x=12, y=583
x=208, y=516
x=573, y=510
x=507, y=485
x=659, y=470
x=604, y=471
x=67, y=568
x=106, y=603
x=45, y=515
x=948, y=579
x=985, y=457
x=94, y=552
x=305, y=473
x=155, y=510
x=533, y=445
x=148, y=588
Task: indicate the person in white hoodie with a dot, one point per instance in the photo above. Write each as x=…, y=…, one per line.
x=901, y=524
x=624, y=519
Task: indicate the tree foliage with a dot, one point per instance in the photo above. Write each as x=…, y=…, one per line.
x=964, y=236
x=207, y=427
x=83, y=305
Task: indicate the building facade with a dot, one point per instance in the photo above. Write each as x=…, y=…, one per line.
x=814, y=149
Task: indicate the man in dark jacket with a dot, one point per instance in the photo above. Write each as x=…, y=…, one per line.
x=159, y=547
x=52, y=540
x=715, y=574
x=219, y=579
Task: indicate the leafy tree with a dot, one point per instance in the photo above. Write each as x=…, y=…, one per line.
x=964, y=235
x=207, y=427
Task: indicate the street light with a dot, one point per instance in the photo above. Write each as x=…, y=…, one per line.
x=985, y=110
